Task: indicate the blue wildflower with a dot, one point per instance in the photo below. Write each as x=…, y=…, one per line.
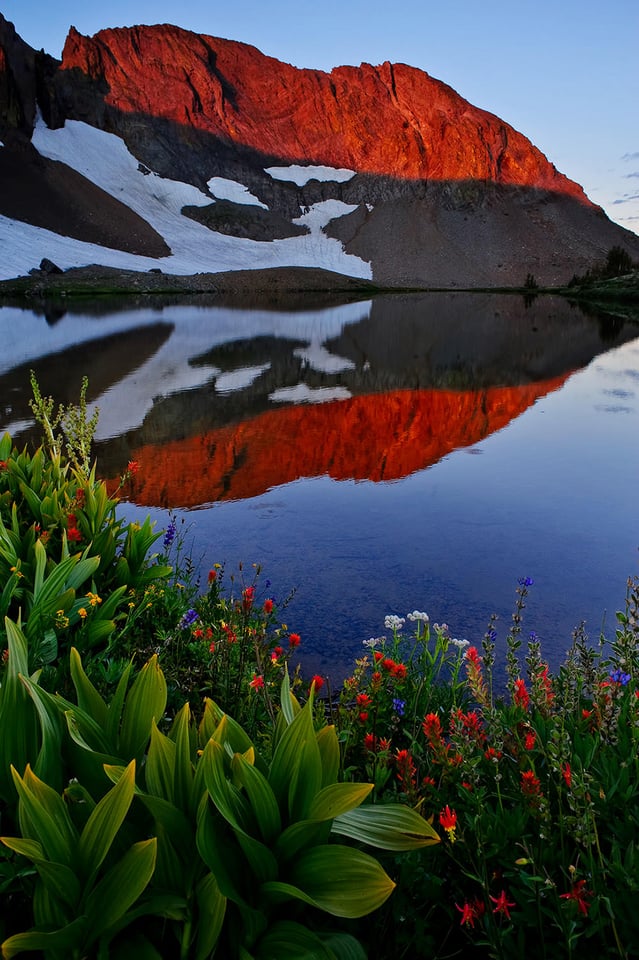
x=169, y=536
x=618, y=676
x=398, y=707
x=188, y=618
x=526, y=581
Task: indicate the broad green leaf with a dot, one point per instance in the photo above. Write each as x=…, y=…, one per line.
x=344, y=946
x=159, y=769
x=104, y=823
x=89, y=700
x=229, y=801
x=387, y=826
x=120, y=887
x=47, y=765
x=211, y=912
x=288, y=940
x=329, y=754
x=219, y=853
x=26, y=848
x=116, y=706
x=337, y=799
x=183, y=768
x=65, y=941
x=295, y=772
x=145, y=704
x=304, y=833
x=172, y=821
x=286, y=698
x=19, y=740
x=236, y=811
x=340, y=880
x=61, y=882
x=44, y=816
x=261, y=798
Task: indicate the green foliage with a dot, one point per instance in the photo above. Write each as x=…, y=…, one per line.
x=67, y=560
x=241, y=848
x=537, y=794
x=78, y=429
x=618, y=264
x=85, y=888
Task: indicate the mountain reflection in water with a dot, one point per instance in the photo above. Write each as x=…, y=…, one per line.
x=219, y=404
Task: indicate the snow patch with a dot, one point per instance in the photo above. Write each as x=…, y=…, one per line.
x=104, y=159
x=301, y=393
x=300, y=175
x=223, y=189
x=239, y=379
x=318, y=358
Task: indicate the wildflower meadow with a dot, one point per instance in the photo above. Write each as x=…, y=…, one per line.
x=172, y=784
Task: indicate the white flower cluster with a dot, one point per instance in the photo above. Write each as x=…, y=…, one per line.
x=393, y=622
x=460, y=643
x=373, y=642
x=418, y=615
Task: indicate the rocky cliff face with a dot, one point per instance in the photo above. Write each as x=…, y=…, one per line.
x=390, y=120
x=443, y=193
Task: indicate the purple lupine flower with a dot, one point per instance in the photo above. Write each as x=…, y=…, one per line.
x=398, y=706
x=526, y=581
x=618, y=676
x=169, y=536
x=188, y=618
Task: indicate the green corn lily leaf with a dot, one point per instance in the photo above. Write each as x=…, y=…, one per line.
x=61, y=882
x=183, y=768
x=336, y=799
x=19, y=743
x=56, y=942
x=115, y=707
x=228, y=800
x=103, y=824
x=387, y=826
x=236, y=811
x=261, y=797
x=288, y=940
x=297, y=836
x=172, y=822
x=145, y=704
x=286, y=698
x=89, y=700
x=339, y=880
x=344, y=946
x=295, y=773
x=219, y=853
x=159, y=769
x=329, y=754
x=43, y=814
x=211, y=911
x=47, y=765
x=120, y=888
x=30, y=849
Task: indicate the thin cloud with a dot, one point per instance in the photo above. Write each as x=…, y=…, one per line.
x=630, y=156
x=627, y=198
x=628, y=176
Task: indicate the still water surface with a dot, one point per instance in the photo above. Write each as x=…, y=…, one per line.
x=404, y=453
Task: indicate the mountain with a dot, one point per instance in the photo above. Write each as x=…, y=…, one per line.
x=153, y=147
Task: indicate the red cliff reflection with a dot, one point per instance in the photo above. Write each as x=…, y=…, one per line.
x=376, y=437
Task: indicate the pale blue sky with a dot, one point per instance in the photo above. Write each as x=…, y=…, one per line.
x=564, y=73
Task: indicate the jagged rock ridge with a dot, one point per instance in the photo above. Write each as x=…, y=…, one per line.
x=444, y=194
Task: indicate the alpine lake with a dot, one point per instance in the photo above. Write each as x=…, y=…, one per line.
x=409, y=452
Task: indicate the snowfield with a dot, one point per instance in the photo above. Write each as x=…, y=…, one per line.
x=104, y=159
